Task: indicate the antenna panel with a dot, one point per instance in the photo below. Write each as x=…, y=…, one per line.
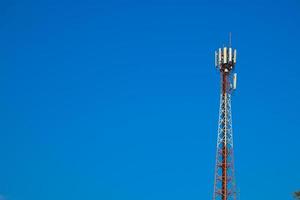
x=230, y=55
x=224, y=55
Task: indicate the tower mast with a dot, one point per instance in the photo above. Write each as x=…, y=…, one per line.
x=224, y=183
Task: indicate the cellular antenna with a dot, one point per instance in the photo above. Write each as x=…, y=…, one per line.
x=224, y=184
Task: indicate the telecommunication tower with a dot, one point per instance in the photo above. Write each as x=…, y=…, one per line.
x=224, y=183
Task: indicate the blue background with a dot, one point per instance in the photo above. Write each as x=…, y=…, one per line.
x=119, y=100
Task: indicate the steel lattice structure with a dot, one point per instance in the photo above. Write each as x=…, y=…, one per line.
x=224, y=183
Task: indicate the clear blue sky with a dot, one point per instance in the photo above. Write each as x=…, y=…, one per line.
x=118, y=100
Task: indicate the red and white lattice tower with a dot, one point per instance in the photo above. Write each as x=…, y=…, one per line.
x=224, y=184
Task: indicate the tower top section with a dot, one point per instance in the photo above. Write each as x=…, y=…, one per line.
x=225, y=59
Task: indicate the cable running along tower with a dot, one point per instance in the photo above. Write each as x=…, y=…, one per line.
x=224, y=183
